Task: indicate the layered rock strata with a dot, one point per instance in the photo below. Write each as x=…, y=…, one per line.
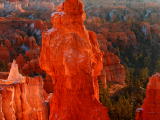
x=151, y=105
x=21, y=98
x=71, y=55
x=112, y=71
x=115, y=72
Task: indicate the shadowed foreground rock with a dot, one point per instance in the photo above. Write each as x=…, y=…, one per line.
x=151, y=105
x=71, y=55
x=21, y=98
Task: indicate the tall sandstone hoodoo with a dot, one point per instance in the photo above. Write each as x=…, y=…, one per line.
x=21, y=98
x=71, y=55
x=151, y=105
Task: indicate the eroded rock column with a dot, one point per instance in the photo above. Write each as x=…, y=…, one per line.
x=151, y=105
x=71, y=55
x=21, y=98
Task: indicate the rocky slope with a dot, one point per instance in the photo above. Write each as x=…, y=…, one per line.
x=71, y=55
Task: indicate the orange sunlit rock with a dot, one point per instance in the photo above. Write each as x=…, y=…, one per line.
x=32, y=67
x=20, y=61
x=115, y=72
x=22, y=97
x=150, y=108
x=112, y=71
x=71, y=55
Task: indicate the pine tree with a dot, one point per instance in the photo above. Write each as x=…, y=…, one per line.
x=125, y=66
x=138, y=99
x=127, y=80
x=128, y=111
x=117, y=51
x=158, y=66
x=3, y=66
x=146, y=62
x=142, y=76
x=138, y=86
x=140, y=60
x=126, y=60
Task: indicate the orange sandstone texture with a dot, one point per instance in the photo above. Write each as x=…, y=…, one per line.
x=20, y=61
x=150, y=108
x=115, y=72
x=71, y=55
x=112, y=71
x=21, y=98
x=32, y=67
x=119, y=38
x=4, y=75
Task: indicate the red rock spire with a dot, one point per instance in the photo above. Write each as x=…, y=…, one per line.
x=71, y=55
x=151, y=104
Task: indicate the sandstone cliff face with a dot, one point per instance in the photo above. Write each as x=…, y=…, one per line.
x=112, y=69
x=32, y=67
x=71, y=55
x=115, y=72
x=20, y=61
x=40, y=25
x=105, y=33
x=33, y=45
x=22, y=97
x=30, y=54
x=150, y=108
x=119, y=38
x=104, y=44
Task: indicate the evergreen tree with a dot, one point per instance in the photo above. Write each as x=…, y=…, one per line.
x=138, y=99
x=135, y=57
x=126, y=60
x=138, y=86
x=127, y=80
x=3, y=66
x=125, y=66
x=158, y=66
x=146, y=62
x=128, y=111
x=140, y=60
x=117, y=51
